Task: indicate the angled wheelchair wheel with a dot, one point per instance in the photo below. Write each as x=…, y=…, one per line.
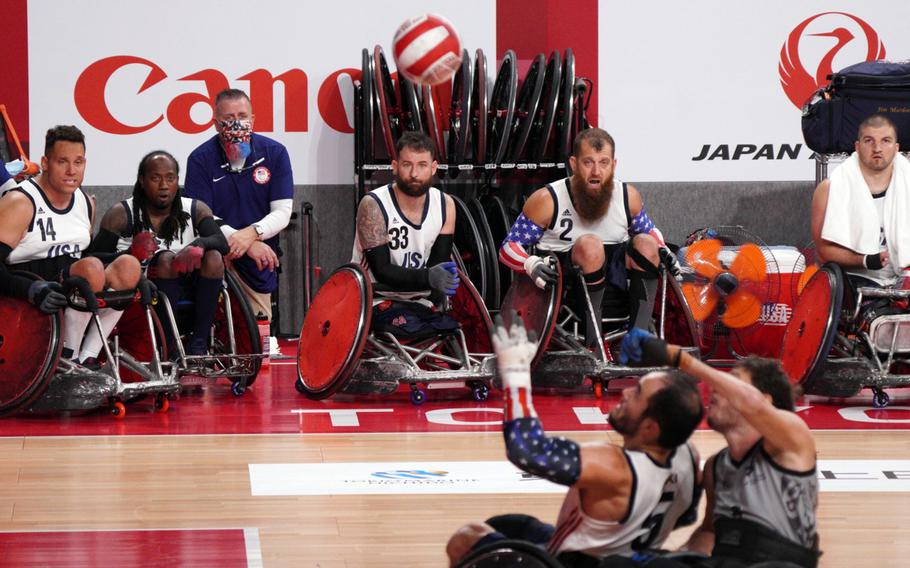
x=246, y=329
x=491, y=250
x=30, y=345
x=502, y=109
x=386, y=101
x=498, y=220
x=674, y=324
x=460, y=111
x=503, y=553
x=471, y=246
x=526, y=103
x=564, y=120
x=813, y=327
x=545, y=117
x=366, y=110
x=468, y=308
x=537, y=308
x=334, y=332
x=134, y=337
x=411, y=117
x=479, y=99
x=433, y=125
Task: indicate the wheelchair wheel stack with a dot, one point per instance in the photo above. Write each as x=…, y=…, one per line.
x=498, y=138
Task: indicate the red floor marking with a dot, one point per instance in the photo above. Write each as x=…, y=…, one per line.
x=222, y=548
x=273, y=406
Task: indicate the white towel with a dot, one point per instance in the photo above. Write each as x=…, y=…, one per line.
x=852, y=221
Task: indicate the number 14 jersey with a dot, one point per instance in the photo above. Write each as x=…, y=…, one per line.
x=53, y=232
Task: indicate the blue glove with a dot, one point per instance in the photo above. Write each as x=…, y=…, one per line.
x=47, y=296
x=631, y=348
x=443, y=278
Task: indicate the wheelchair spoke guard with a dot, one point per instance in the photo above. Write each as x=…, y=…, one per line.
x=538, y=308
x=813, y=327
x=334, y=332
x=468, y=309
x=30, y=345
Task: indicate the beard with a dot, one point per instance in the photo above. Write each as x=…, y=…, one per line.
x=412, y=189
x=591, y=206
x=622, y=424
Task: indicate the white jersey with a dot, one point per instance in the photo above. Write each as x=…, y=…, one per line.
x=660, y=496
x=409, y=244
x=187, y=236
x=884, y=276
x=53, y=232
x=567, y=225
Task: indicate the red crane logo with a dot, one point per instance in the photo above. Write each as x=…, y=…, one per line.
x=797, y=83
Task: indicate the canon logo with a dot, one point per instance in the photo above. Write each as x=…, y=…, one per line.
x=92, y=83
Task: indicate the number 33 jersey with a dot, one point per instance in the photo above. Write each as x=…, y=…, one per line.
x=53, y=232
x=661, y=495
x=409, y=244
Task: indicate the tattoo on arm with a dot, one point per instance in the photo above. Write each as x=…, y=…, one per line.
x=371, y=224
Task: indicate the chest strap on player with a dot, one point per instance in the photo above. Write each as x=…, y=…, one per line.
x=752, y=542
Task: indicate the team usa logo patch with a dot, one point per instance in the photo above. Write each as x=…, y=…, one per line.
x=262, y=175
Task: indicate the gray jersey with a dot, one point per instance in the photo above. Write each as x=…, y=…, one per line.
x=567, y=225
x=757, y=489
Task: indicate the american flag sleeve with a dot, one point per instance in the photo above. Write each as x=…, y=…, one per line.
x=642, y=224
x=524, y=233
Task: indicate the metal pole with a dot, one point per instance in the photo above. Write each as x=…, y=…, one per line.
x=306, y=213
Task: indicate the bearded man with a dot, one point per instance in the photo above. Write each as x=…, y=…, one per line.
x=404, y=240
x=596, y=222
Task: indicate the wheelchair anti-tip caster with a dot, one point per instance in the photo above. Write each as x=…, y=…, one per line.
x=118, y=410
x=162, y=403
x=481, y=392
x=417, y=396
x=880, y=398
x=237, y=388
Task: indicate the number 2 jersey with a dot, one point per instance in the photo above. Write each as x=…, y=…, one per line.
x=661, y=495
x=409, y=244
x=55, y=237
x=567, y=225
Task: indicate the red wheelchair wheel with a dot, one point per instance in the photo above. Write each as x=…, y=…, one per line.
x=334, y=332
x=469, y=311
x=30, y=345
x=537, y=308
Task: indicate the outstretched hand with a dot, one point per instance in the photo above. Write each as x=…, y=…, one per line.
x=515, y=350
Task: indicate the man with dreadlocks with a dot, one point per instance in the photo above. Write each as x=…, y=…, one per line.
x=177, y=236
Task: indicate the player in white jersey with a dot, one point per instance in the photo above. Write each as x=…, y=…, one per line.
x=762, y=489
x=45, y=226
x=622, y=499
x=597, y=223
x=177, y=235
x=404, y=240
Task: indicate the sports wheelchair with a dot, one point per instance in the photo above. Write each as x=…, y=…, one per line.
x=562, y=359
x=37, y=380
x=839, y=340
x=338, y=351
x=235, y=346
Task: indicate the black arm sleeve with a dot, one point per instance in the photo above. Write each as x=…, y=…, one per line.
x=11, y=284
x=396, y=277
x=211, y=237
x=104, y=246
x=442, y=250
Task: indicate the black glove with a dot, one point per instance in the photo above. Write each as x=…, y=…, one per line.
x=671, y=262
x=48, y=296
x=540, y=271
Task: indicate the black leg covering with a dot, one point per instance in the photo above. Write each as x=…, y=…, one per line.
x=596, y=292
x=642, y=292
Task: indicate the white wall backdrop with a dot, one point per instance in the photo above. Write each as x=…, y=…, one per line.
x=170, y=40
x=676, y=77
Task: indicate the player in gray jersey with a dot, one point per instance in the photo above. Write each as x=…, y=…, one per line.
x=762, y=489
x=45, y=226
